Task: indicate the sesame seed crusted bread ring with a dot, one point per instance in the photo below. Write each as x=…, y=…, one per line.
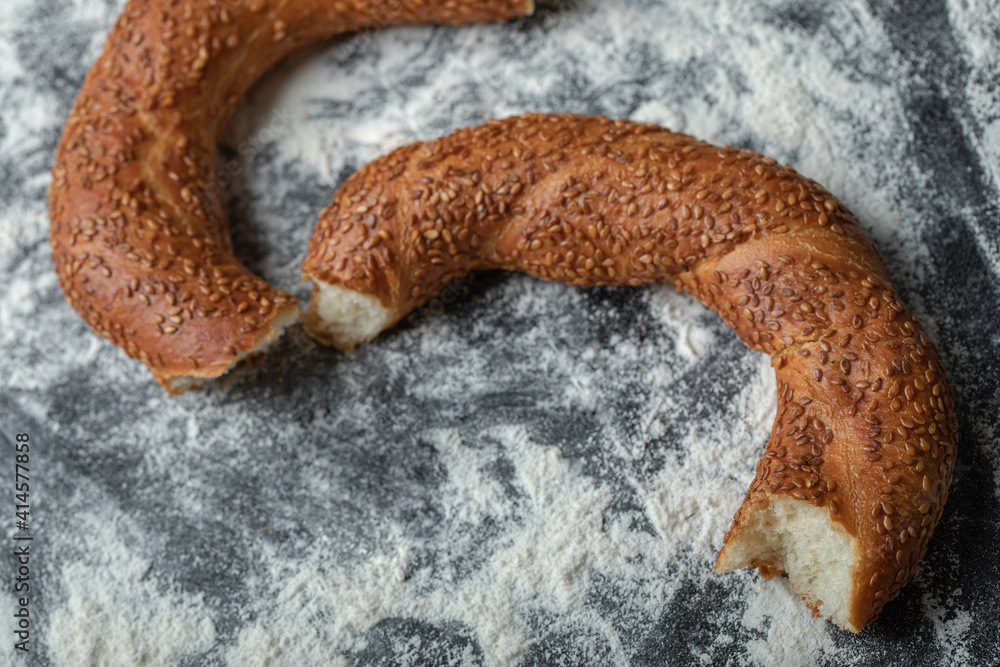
x=857, y=468
x=140, y=238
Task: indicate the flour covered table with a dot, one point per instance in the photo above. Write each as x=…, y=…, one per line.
x=521, y=473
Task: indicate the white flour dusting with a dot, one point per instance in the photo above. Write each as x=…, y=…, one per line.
x=554, y=541
x=118, y=614
x=593, y=531
x=553, y=538
x=978, y=22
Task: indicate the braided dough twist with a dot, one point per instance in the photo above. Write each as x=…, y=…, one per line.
x=139, y=232
x=856, y=472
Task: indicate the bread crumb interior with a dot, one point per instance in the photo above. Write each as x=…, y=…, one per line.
x=344, y=318
x=801, y=540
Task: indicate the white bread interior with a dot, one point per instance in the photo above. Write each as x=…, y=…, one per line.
x=784, y=535
x=344, y=318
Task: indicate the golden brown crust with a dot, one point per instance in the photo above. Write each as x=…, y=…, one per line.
x=865, y=424
x=139, y=232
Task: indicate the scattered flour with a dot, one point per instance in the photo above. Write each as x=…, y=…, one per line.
x=553, y=543
x=117, y=613
x=951, y=627
x=543, y=546
x=792, y=640
x=978, y=23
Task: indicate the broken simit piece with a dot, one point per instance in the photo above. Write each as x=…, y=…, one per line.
x=138, y=224
x=857, y=469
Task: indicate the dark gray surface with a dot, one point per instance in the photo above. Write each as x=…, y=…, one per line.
x=214, y=487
